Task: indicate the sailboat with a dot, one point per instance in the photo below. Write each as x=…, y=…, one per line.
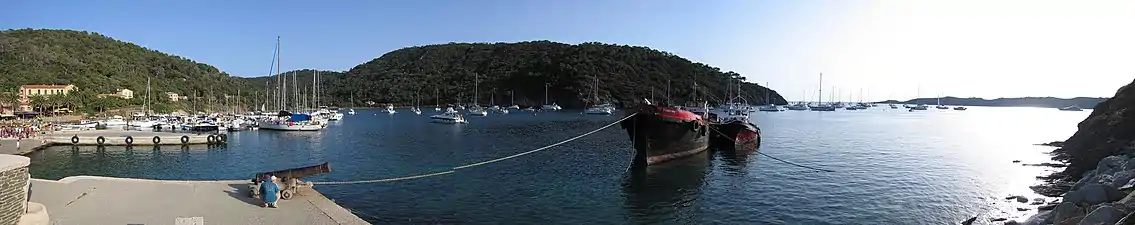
x=770, y=107
x=553, y=106
x=940, y=106
x=512, y=100
x=287, y=121
x=476, y=109
x=415, y=108
x=496, y=108
x=820, y=106
x=598, y=109
x=919, y=106
x=437, y=102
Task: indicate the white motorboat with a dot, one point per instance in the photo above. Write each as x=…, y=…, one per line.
x=552, y=107
x=478, y=111
x=390, y=109
x=437, y=109
x=769, y=108
x=351, y=111
x=798, y=107
x=334, y=114
x=514, y=107
x=450, y=116
x=1072, y=108
x=598, y=110
x=416, y=110
x=919, y=107
x=115, y=121
x=498, y=109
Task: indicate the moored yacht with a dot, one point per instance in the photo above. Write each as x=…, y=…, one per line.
x=599, y=110
x=1072, y=108
x=552, y=107
x=798, y=107
x=769, y=108
x=390, y=109
x=286, y=121
x=477, y=110
x=960, y=108
x=450, y=116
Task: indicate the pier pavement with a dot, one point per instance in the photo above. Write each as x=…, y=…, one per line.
x=107, y=200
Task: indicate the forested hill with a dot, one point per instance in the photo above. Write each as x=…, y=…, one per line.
x=1049, y=102
x=625, y=74
x=100, y=64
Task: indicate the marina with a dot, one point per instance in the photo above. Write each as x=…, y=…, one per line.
x=405, y=145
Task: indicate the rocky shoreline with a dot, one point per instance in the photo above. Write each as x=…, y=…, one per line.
x=1097, y=186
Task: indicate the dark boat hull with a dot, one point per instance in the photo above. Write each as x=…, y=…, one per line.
x=662, y=134
x=736, y=136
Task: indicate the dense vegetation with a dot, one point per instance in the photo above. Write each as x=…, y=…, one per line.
x=450, y=72
x=1048, y=102
x=447, y=72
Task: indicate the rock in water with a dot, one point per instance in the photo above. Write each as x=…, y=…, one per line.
x=1103, y=215
x=969, y=221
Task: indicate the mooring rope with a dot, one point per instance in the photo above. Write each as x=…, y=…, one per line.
x=778, y=159
x=454, y=169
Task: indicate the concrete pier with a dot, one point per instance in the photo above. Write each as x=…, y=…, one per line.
x=138, y=138
x=106, y=200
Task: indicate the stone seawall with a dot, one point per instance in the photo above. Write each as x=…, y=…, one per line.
x=13, y=188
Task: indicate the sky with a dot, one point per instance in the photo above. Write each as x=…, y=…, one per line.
x=870, y=50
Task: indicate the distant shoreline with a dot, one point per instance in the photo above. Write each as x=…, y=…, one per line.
x=1037, y=102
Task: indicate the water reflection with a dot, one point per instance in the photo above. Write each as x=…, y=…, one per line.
x=667, y=192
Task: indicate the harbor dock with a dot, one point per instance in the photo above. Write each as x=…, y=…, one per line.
x=125, y=137
x=109, y=200
x=106, y=200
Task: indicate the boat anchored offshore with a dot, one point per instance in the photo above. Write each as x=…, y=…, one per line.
x=733, y=133
x=450, y=116
x=661, y=133
x=1072, y=108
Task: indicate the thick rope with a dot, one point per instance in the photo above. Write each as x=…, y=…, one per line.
x=454, y=169
x=778, y=159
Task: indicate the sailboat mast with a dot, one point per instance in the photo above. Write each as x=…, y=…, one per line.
x=821, y=95
x=476, y=87
x=145, y=108
x=314, y=88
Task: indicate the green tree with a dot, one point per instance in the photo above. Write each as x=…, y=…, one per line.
x=9, y=100
x=38, y=103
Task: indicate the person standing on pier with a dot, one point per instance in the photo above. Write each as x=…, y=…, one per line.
x=269, y=191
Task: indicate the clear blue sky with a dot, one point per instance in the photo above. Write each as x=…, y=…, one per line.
x=890, y=49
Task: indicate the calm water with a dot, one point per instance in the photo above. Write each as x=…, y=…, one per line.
x=892, y=167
